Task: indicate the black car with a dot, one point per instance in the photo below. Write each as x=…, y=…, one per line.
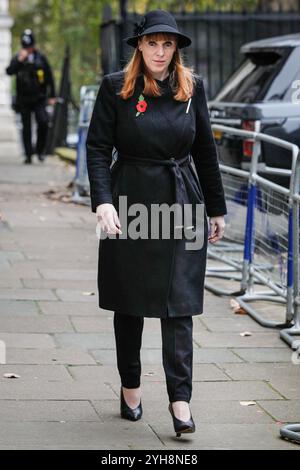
x=260, y=96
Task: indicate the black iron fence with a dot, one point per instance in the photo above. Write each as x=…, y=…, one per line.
x=217, y=29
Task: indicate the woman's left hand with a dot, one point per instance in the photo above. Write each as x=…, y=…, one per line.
x=217, y=227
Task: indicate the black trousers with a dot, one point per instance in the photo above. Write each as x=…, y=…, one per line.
x=41, y=116
x=177, y=352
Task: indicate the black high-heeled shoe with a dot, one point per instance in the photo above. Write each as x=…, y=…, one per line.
x=182, y=426
x=133, y=414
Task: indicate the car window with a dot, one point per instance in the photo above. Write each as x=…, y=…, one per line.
x=255, y=79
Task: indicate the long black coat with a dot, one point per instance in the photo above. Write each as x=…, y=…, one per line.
x=152, y=277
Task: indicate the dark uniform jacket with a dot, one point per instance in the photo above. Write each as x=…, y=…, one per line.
x=34, y=80
x=152, y=277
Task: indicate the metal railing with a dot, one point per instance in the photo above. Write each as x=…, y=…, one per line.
x=81, y=193
x=258, y=242
x=271, y=210
x=218, y=30
x=81, y=183
x=288, y=334
x=291, y=432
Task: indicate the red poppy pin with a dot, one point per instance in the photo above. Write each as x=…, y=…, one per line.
x=141, y=106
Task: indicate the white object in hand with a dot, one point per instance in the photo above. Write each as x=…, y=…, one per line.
x=188, y=106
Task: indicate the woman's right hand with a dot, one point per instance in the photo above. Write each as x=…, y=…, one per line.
x=108, y=218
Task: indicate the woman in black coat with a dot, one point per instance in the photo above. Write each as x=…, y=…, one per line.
x=154, y=113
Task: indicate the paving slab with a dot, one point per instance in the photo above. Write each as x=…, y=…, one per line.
x=71, y=308
x=68, y=274
x=287, y=411
x=204, y=412
x=18, y=307
x=48, y=356
x=32, y=372
x=263, y=354
x=27, y=294
x=79, y=435
x=229, y=340
x=154, y=356
x=36, y=324
x=231, y=323
x=18, y=411
x=229, y=436
x=150, y=372
x=260, y=371
x=27, y=340
x=16, y=389
x=80, y=285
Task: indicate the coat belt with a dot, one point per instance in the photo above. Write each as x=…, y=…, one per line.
x=173, y=163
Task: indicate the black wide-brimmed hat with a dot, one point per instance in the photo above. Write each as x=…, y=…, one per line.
x=157, y=21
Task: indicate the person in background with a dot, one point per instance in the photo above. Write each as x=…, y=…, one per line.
x=35, y=89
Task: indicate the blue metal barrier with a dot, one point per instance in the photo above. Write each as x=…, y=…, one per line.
x=266, y=236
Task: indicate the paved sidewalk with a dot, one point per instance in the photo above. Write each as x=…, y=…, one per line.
x=62, y=345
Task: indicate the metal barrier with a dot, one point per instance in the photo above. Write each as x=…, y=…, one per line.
x=291, y=432
x=271, y=242
x=81, y=183
x=288, y=333
x=230, y=249
x=81, y=192
x=266, y=211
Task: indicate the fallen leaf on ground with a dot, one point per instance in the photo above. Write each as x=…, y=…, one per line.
x=237, y=309
x=10, y=375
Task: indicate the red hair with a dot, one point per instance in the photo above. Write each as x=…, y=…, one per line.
x=183, y=76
